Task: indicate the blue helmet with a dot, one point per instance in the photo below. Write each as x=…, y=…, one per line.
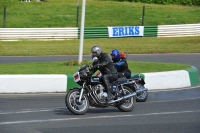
x=115, y=54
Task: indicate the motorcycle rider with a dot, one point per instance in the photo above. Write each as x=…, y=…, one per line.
x=105, y=66
x=120, y=63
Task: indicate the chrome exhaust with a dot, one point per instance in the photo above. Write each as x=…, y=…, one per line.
x=122, y=98
x=128, y=96
x=141, y=90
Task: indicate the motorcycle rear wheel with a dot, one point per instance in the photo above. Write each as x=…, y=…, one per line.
x=129, y=103
x=72, y=103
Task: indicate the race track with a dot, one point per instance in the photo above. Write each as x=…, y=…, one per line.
x=169, y=111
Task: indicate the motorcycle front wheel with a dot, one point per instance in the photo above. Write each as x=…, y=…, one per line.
x=72, y=103
x=129, y=103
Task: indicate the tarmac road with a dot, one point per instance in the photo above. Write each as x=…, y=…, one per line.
x=167, y=111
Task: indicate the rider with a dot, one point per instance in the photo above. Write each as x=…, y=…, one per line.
x=120, y=63
x=105, y=66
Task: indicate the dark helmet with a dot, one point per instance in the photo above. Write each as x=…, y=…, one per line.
x=96, y=51
x=115, y=54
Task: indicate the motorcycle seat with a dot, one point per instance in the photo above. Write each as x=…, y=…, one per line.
x=119, y=81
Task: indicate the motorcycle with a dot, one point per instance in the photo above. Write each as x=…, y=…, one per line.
x=92, y=92
x=137, y=85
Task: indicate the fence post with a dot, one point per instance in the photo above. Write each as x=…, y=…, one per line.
x=77, y=14
x=143, y=11
x=4, y=18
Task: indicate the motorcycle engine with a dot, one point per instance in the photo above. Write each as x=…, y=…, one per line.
x=99, y=90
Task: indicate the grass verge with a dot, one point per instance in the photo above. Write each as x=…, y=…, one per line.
x=61, y=68
x=149, y=45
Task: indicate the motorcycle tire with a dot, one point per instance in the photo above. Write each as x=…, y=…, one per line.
x=129, y=103
x=73, y=105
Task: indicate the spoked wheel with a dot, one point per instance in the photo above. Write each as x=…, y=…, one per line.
x=73, y=105
x=129, y=103
x=142, y=96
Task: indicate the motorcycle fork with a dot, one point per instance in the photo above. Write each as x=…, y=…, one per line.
x=81, y=94
x=122, y=89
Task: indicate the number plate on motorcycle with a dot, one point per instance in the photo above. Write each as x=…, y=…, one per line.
x=76, y=77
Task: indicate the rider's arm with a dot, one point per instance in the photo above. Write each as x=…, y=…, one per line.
x=106, y=60
x=94, y=68
x=120, y=63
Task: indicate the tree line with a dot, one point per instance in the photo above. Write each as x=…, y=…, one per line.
x=177, y=2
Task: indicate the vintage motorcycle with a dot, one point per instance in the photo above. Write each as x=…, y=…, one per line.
x=92, y=92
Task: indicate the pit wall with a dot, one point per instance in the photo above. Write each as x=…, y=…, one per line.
x=45, y=83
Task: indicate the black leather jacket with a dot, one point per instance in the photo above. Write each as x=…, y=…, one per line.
x=104, y=65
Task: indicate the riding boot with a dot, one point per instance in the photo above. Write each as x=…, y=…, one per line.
x=107, y=86
x=110, y=96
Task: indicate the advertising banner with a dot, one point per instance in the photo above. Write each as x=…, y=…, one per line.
x=126, y=31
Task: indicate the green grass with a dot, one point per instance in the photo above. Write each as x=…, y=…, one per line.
x=61, y=68
x=129, y=45
x=62, y=13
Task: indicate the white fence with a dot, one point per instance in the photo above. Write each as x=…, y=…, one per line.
x=72, y=33
x=178, y=30
x=38, y=33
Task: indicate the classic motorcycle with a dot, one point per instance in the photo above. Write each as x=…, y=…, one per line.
x=92, y=92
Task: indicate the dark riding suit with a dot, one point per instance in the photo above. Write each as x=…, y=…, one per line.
x=108, y=71
x=122, y=68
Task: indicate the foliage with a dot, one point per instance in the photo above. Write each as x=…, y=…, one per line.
x=178, y=2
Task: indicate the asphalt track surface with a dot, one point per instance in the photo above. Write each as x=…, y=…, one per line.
x=165, y=111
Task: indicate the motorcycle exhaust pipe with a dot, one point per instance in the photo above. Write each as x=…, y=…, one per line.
x=125, y=97
x=128, y=96
x=141, y=90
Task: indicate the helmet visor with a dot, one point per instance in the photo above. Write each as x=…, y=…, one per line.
x=113, y=56
x=94, y=54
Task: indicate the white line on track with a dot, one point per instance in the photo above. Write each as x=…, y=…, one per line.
x=32, y=111
x=173, y=100
x=21, y=112
x=61, y=108
x=174, y=89
x=96, y=117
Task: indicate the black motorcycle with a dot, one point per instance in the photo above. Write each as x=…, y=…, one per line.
x=92, y=92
